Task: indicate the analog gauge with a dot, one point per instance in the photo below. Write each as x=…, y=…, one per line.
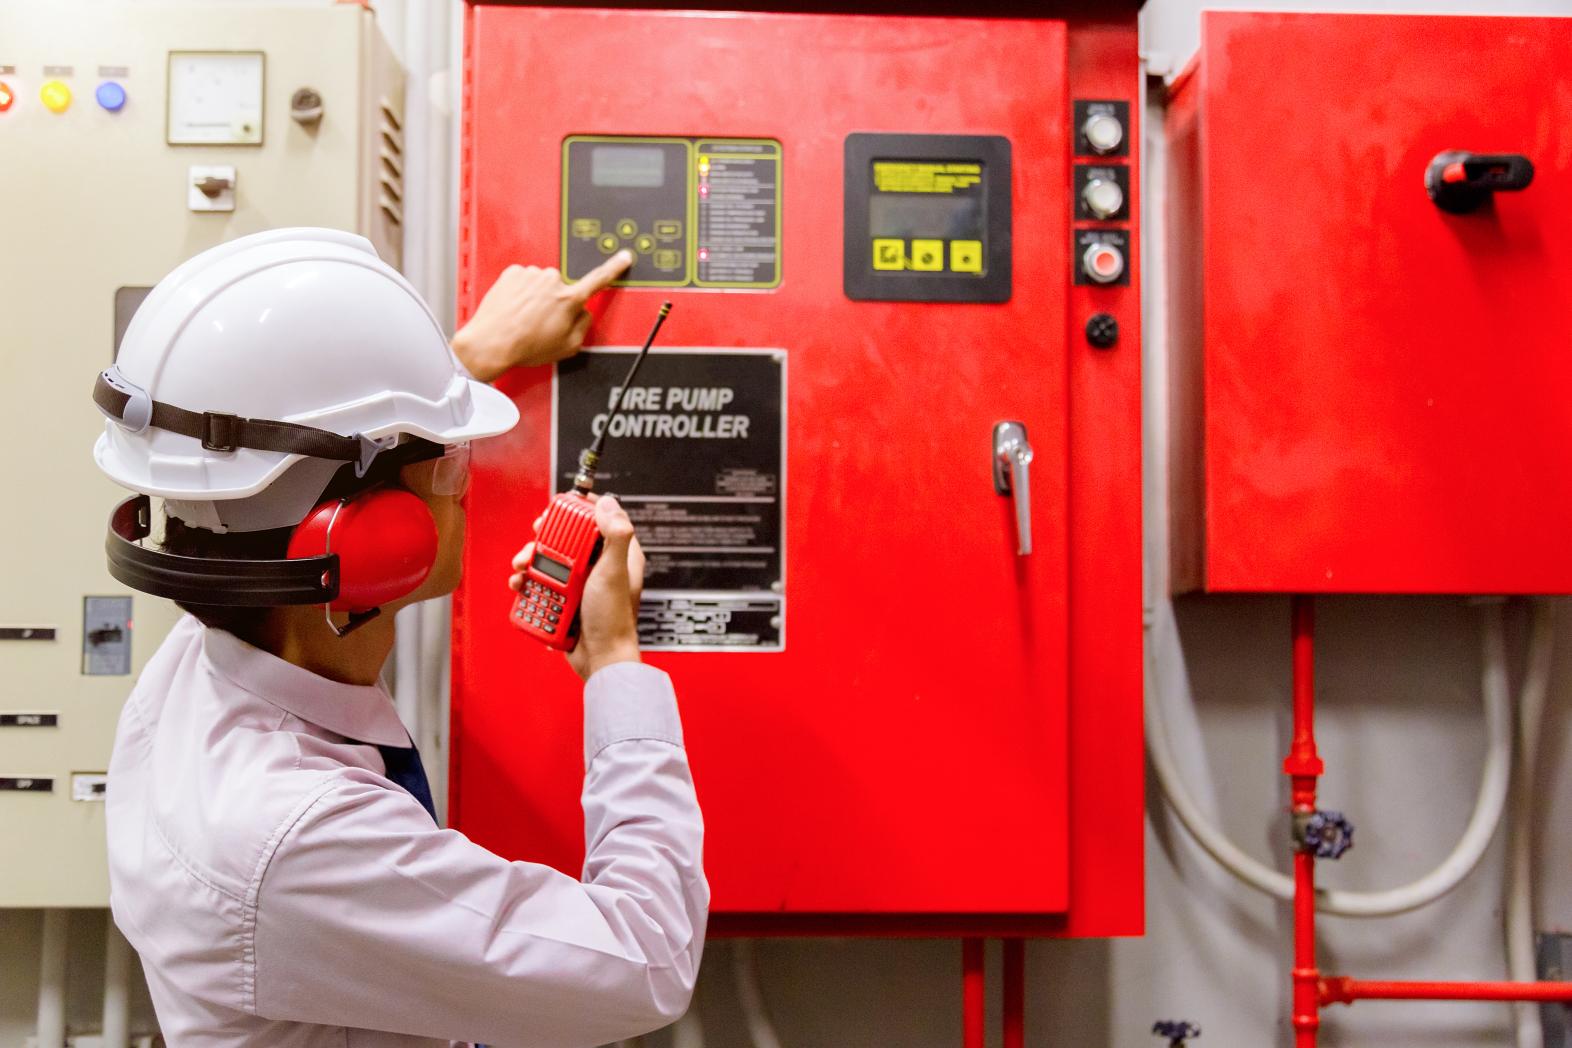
x=215, y=98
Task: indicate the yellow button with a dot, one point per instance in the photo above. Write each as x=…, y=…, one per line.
x=667, y=259
x=645, y=243
x=56, y=96
x=889, y=254
x=966, y=256
x=627, y=229
x=928, y=255
x=608, y=244
x=586, y=228
x=668, y=229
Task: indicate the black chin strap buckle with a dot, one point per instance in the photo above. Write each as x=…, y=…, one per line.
x=219, y=431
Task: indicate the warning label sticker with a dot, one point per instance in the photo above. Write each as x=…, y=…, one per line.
x=697, y=457
x=918, y=176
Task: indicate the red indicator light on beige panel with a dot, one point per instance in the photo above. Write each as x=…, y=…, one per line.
x=7, y=96
x=1104, y=263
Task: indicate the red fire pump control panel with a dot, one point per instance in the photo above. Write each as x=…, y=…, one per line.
x=1371, y=229
x=884, y=458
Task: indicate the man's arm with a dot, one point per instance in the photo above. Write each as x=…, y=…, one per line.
x=530, y=317
x=368, y=916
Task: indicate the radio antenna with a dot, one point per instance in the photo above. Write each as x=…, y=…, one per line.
x=589, y=458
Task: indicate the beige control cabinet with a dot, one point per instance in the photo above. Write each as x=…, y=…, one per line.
x=132, y=137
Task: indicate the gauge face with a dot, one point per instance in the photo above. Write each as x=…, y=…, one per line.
x=215, y=98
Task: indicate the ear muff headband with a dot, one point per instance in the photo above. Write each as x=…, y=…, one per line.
x=220, y=581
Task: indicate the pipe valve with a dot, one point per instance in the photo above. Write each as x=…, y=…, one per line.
x=1324, y=834
x=1177, y=1031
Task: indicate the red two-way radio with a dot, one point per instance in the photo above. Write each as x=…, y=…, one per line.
x=567, y=543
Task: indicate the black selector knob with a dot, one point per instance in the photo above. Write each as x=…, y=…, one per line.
x=1102, y=330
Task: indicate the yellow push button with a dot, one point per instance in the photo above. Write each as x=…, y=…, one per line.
x=644, y=244
x=608, y=244
x=56, y=96
x=928, y=255
x=966, y=256
x=889, y=254
x=667, y=259
x=586, y=228
x=627, y=229
x=668, y=229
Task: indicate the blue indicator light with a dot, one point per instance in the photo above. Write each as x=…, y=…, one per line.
x=111, y=96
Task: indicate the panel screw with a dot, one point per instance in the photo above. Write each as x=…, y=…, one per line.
x=1102, y=330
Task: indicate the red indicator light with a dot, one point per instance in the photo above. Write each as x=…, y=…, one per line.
x=6, y=96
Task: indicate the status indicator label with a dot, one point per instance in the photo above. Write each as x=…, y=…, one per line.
x=917, y=176
x=739, y=214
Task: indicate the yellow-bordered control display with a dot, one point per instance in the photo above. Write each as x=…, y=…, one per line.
x=927, y=218
x=695, y=212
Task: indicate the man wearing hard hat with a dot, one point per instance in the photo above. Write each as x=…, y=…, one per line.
x=274, y=854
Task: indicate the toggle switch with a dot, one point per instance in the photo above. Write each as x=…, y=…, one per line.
x=1104, y=263
x=210, y=187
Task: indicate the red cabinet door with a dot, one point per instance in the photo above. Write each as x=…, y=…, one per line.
x=905, y=750
x=1385, y=384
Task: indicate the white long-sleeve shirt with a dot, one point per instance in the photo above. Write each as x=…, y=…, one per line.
x=281, y=891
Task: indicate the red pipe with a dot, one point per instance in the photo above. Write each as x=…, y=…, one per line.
x=1303, y=765
x=1344, y=990
x=972, y=1000
x=1015, y=993
x=1311, y=992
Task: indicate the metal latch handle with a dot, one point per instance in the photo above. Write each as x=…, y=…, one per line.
x=1012, y=460
x=1460, y=182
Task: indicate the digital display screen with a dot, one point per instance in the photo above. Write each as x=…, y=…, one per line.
x=940, y=216
x=555, y=568
x=628, y=167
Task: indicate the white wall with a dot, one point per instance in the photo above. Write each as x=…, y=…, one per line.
x=1400, y=730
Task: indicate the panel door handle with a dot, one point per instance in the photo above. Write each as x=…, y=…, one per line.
x=1460, y=182
x=1012, y=462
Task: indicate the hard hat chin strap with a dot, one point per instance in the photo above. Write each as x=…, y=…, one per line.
x=133, y=408
x=229, y=582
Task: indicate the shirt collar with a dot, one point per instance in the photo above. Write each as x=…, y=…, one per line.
x=361, y=712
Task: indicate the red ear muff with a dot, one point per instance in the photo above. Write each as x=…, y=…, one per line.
x=386, y=543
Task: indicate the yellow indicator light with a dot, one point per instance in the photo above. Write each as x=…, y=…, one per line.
x=55, y=95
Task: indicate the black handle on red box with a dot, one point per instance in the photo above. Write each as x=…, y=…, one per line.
x=1460, y=182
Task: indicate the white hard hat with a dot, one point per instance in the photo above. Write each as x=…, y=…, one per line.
x=291, y=346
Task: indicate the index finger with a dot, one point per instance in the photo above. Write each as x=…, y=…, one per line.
x=599, y=278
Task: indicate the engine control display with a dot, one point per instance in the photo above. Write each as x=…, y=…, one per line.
x=695, y=212
x=927, y=218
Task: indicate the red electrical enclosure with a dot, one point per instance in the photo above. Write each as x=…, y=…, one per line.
x=1371, y=390
x=897, y=722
